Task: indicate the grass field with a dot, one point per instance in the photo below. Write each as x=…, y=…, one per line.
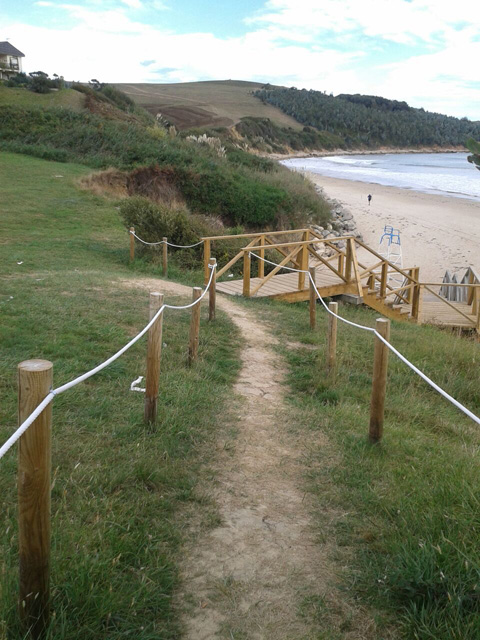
x=68, y=98
x=406, y=512
x=402, y=517
x=206, y=104
x=122, y=492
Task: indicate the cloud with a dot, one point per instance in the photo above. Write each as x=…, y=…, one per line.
x=132, y=4
x=300, y=43
x=44, y=3
x=398, y=21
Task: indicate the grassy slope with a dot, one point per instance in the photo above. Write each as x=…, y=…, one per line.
x=121, y=490
x=23, y=98
x=410, y=507
x=212, y=103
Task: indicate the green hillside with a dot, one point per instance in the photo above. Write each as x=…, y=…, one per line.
x=227, y=183
x=370, y=121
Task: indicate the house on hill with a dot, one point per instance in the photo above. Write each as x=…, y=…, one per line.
x=10, y=60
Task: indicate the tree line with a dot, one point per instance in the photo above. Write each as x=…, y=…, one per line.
x=370, y=121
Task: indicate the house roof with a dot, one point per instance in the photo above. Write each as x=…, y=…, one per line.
x=7, y=49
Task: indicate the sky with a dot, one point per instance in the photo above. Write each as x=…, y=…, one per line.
x=423, y=51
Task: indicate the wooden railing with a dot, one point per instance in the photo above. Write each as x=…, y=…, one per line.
x=264, y=240
x=343, y=263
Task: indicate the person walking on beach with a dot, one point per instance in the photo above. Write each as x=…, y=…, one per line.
x=369, y=198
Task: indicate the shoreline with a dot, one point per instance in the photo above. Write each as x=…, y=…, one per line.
x=324, y=153
x=438, y=233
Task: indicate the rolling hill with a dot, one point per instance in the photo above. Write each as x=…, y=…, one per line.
x=219, y=103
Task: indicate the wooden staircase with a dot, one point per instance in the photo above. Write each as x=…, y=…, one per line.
x=401, y=312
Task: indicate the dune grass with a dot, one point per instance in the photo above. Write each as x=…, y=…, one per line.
x=122, y=491
x=409, y=508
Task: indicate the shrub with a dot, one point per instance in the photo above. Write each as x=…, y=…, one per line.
x=153, y=221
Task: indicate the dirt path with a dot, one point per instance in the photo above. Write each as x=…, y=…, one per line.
x=247, y=577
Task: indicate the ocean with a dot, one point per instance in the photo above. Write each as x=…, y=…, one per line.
x=448, y=174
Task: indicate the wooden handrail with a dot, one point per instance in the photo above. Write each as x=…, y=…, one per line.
x=449, y=304
x=404, y=273
x=297, y=243
x=295, y=263
x=252, y=235
x=274, y=271
x=451, y=284
x=326, y=263
x=233, y=261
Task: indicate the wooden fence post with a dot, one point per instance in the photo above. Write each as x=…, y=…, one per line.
x=246, y=273
x=341, y=263
x=206, y=258
x=417, y=303
x=154, y=353
x=384, y=280
x=132, y=244
x=34, y=472
x=303, y=261
x=313, y=299
x=379, y=381
x=194, y=326
x=212, y=294
x=165, y=257
x=261, y=263
x=348, y=261
x=332, y=338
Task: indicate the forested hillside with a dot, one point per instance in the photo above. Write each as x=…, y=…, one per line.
x=370, y=120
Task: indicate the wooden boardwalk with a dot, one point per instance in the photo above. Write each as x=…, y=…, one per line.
x=284, y=286
x=343, y=265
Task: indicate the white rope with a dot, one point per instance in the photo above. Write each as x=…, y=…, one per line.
x=54, y=392
x=177, y=246
x=391, y=347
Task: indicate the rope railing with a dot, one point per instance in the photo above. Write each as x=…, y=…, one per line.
x=54, y=392
x=176, y=246
x=405, y=360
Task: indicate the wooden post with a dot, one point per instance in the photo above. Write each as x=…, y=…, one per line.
x=212, y=294
x=165, y=257
x=332, y=338
x=409, y=293
x=478, y=318
x=154, y=353
x=132, y=244
x=34, y=471
x=417, y=303
x=261, y=263
x=194, y=326
x=471, y=290
x=379, y=381
x=384, y=280
x=341, y=263
x=303, y=261
x=206, y=258
x=246, y=273
x=348, y=261
x=475, y=301
x=313, y=299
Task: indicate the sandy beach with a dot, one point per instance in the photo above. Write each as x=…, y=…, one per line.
x=437, y=232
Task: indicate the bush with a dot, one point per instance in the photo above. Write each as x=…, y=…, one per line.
x=153, y=221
